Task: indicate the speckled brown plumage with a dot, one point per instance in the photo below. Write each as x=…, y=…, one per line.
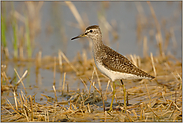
x=114, y=61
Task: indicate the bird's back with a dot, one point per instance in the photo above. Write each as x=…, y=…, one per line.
x=116, y=62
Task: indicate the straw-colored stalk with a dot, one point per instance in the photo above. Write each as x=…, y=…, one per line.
x=54, y=71
x=148, y=93
x=55, y=93
x=63, y=85
x=39, y=59
x=145, y=47
x=31, y=108
x=76, y=14
x=152, y=111
x=84, y=85
x=100, y=89
x=60, y=60
x=66, y=59
x=158, y=28
x=154, y=69
x=21, y=79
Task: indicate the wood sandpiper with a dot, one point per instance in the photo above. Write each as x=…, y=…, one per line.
x=112, y=64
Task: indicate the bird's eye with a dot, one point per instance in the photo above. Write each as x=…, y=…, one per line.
x=91, y=30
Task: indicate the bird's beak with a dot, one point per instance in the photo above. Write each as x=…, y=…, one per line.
x=80, y=36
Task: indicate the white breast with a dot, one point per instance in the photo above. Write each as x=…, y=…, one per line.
x=113, y=75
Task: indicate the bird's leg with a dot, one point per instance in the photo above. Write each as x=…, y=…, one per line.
x=124, y=91
x=114, y=91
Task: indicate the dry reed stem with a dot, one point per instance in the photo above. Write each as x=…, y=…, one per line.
x=171, y=72
x=171, y=114
x=60, y=60
x=6, y=52
x=63, y=85
x=134, y=59
x=169, y=106
x=6, y=110
x=179, y=76
x=141, y=111
x=141, y=20
x=84, y=85
x=153, y=111
x=46, y=116
x=69, y=63
x=163, y=95
x=12, y=106
x=135, y=114
x=60, y=82
x=91, y=81
x=98, y=79
x=148, y=93
x=90, y=88
x=54, y=71
x=158, y=28
x=39, y=58
x=21, y=79
x=21, y=101
x=26, y=114
x=160, y=45
x=100, y=89
x=104, y=23
x=155, y=18
x=18, y=16
x=31, y=107
x=139, y=61
x=107, y=89
x=24, y=98
x=21, y=48
x=67, y=88
x=76, y=14
x=89, y=109
x=55, y=93
x=145, y=47
x=6, y=78
x=173, y=37
x=93, y=84
x=34, y=16
x=84, y=56
x=154, y=69
x=92, y=75
x=82, y=100
x=129, y=117
x=179, y=109
x=15, y=99
x=105, y=114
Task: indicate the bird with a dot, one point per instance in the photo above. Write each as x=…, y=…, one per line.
x=111, y=63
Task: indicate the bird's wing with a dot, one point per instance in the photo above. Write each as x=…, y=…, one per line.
x=117, y=62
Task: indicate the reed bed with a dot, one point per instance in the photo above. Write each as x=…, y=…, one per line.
x=159, y=100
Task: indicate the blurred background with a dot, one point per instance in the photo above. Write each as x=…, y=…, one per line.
x=124, y=25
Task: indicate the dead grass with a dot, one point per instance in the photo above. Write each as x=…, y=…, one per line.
x=159, y=100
